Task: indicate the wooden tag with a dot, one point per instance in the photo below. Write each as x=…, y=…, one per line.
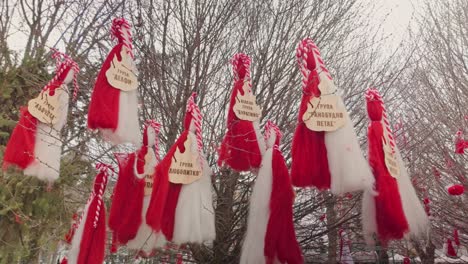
x=185, y=167
x=120, y=74
x=391, y=161
x=246, y=107
x=323, y=114
x=148, y=184
x=148, y=176
x=46, y=108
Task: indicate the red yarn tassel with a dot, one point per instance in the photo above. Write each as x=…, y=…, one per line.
x=88, y=244
x=391, y=219
x=309, y=153
x=240, y=148
x=280, y=239
x=20, y=147
x=450, y=249
x=127, y=201
x=164, y=197
x=104, y=106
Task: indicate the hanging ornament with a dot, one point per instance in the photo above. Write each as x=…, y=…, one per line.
x=436, y=172
x=345, y=251
x=89, y=242
x=35, y=144
x=395, y=210
x=460, y=143
x=325, y=149
x=184, y=210
x=71, y=232
x=406, y=260
x=456, y=189
x=131, y=196
x=243, y=144
x=113, y=109
x=270, y=236
x=449, y=249
x=427, y=207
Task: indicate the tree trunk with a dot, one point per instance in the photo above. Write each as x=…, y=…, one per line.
x=332, y=230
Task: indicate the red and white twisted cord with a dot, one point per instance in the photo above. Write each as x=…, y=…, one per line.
x=197, y=117
x=305, y=49
x=374, y=95
x=120, y=26
x=271, y=128
x=99, y=166
x=103, y=168
x=236, y=61
x=157, y=128
x=62, y=63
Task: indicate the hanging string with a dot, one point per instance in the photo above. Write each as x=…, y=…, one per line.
x=241, y=61
x=63, y=62
x=121, y=30
x=157, y=127
x=305, y=49
x=197, y=120
x=374, y=95
x=104, y=169
x=271, y=128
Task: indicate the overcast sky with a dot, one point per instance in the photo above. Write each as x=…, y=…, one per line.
x=400, y=15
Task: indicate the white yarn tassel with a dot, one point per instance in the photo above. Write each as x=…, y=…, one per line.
x=194, y=216
x=416, y=216
x=349, y=169
x=259, y=211
x=146, y=240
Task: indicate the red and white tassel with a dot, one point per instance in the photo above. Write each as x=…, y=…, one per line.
x=270, y=236
x=345, y=251
x=396, y=210
x=243, y=144
x=130, y=228
x=326, y=160
x=88, y=243
x=184, y=212
x=35, y=147
x=112, y=111
x=71, y=232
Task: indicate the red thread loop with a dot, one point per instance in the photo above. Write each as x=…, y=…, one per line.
x=304, y=52
x=63, y=63
x=241, y=66
x=271, y=128
x=104, y=169
x=197, y=118
x=157, y=128
x=121, y=30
